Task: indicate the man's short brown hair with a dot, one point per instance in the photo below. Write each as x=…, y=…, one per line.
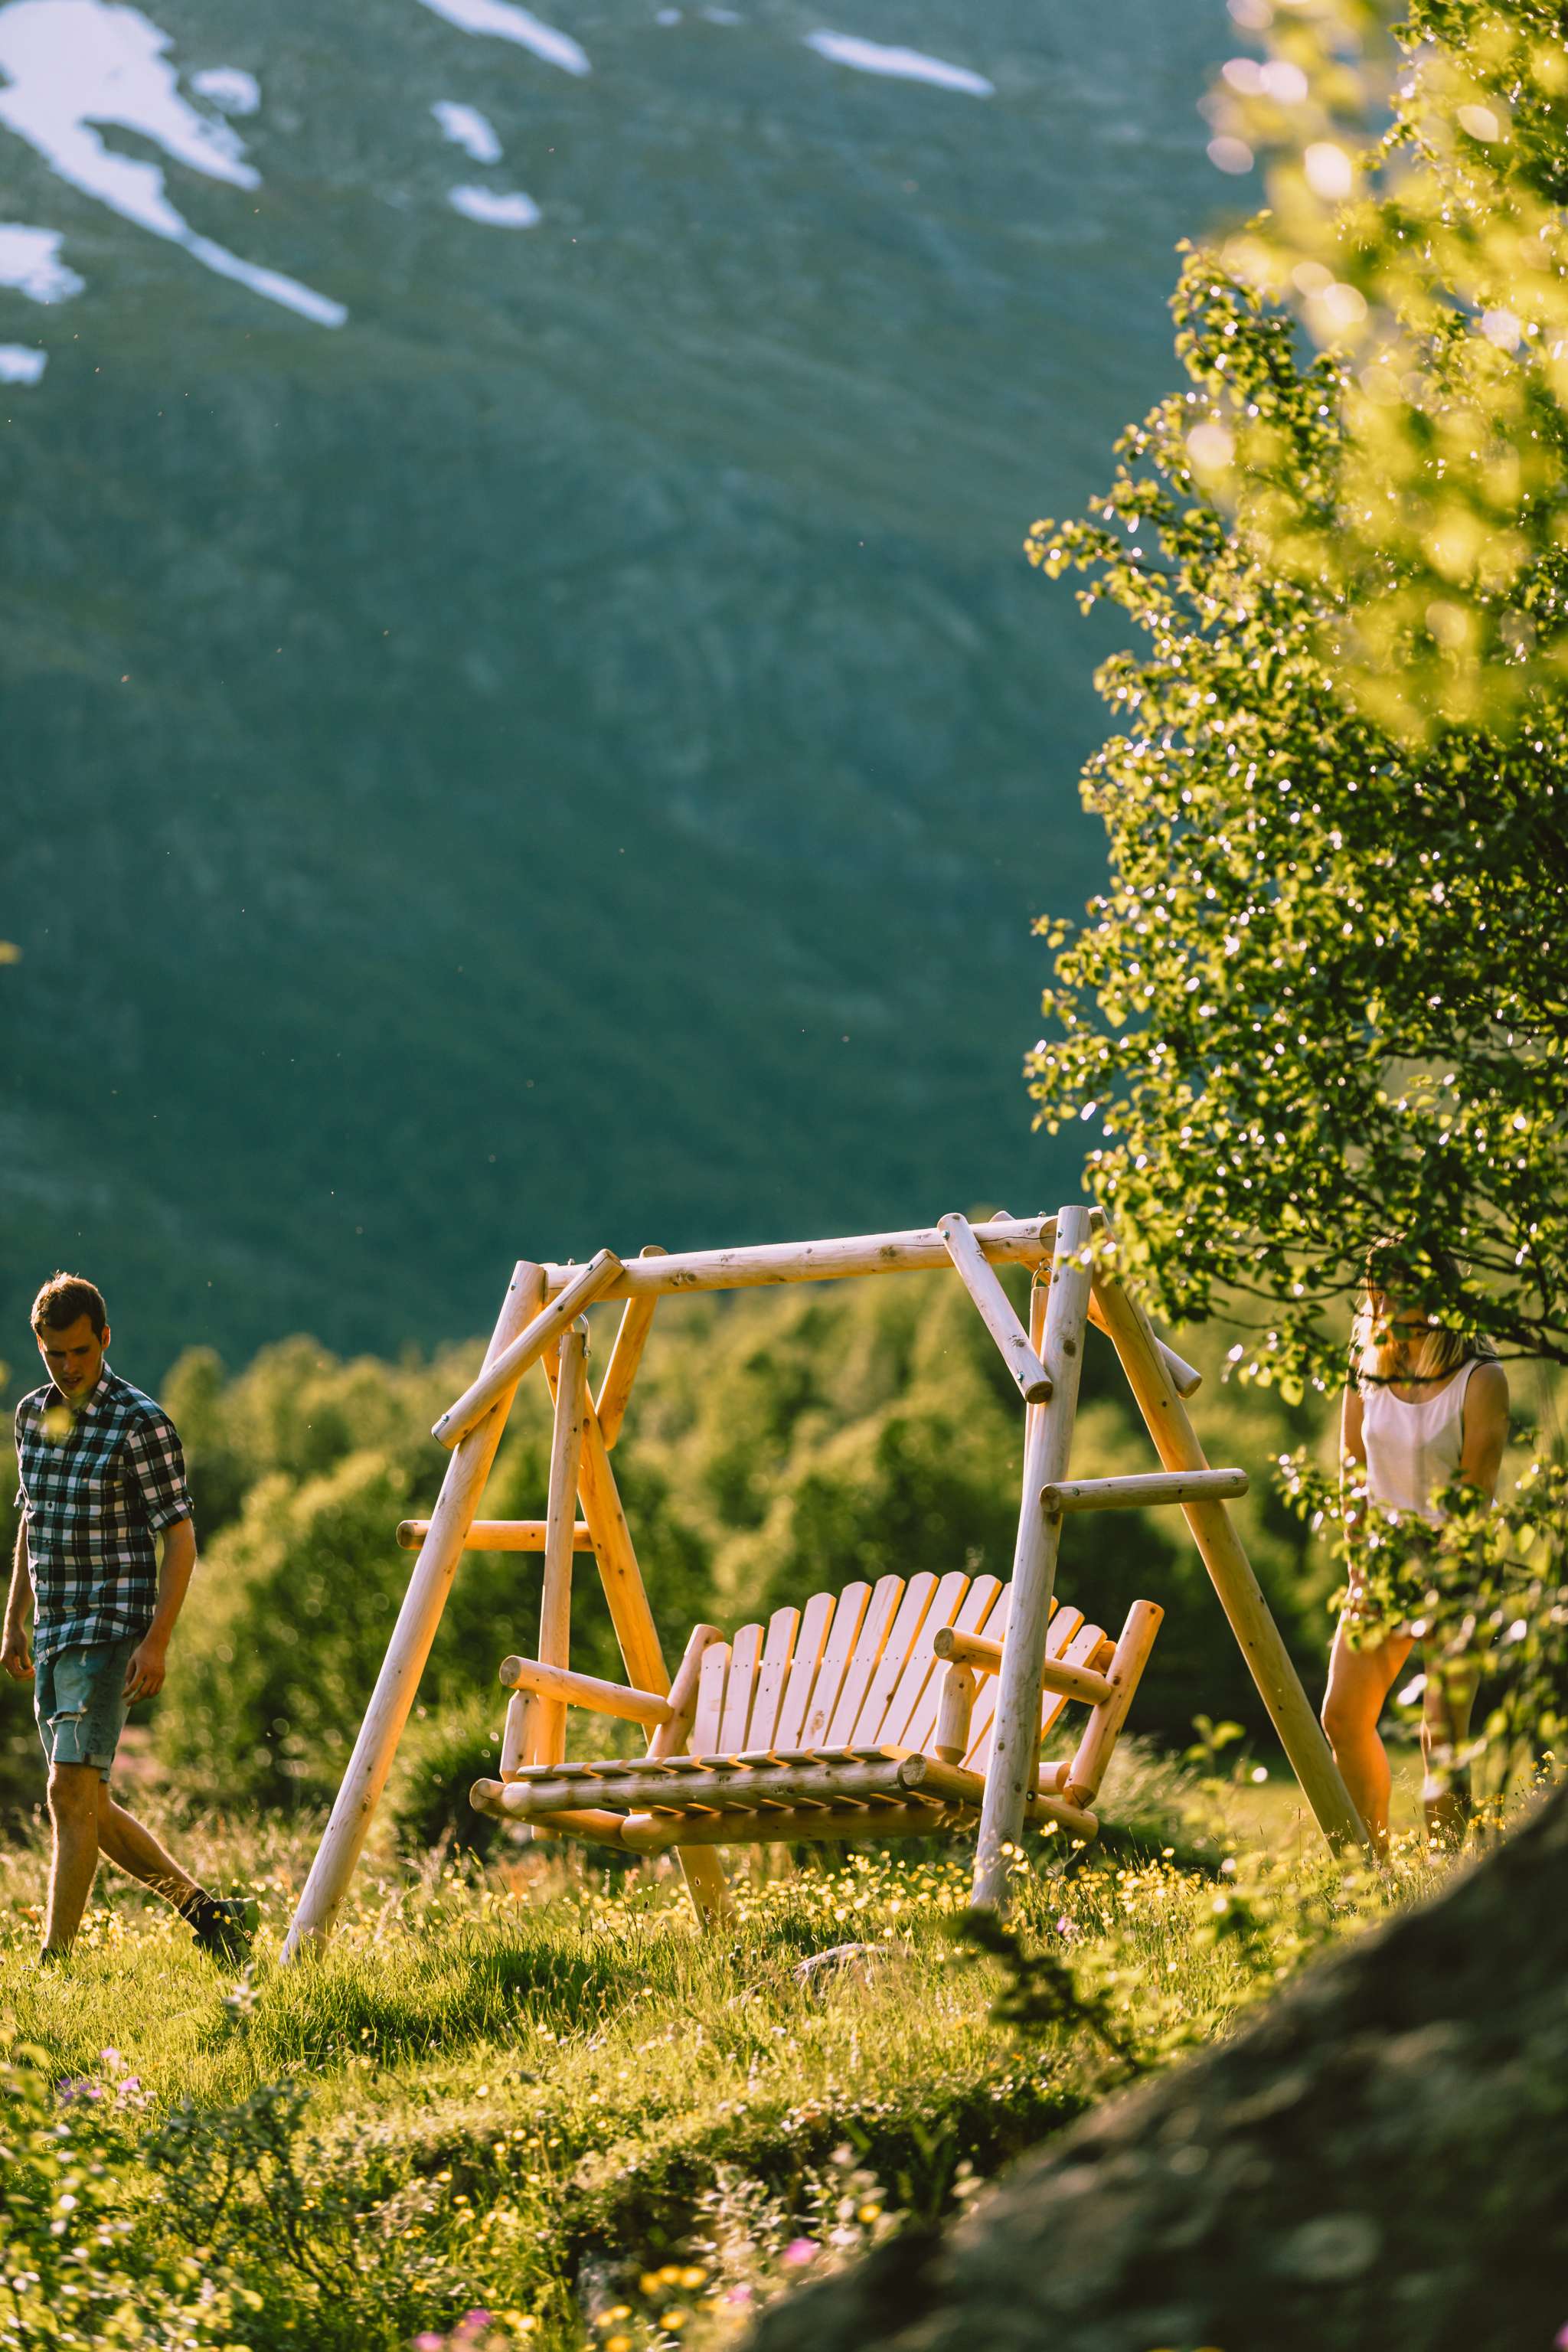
x=63, y=1299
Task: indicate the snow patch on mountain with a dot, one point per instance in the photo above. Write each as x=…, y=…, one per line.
x=905, y=65
x=496, y=210
x=228, y=87
x=466, y=128
x=502, y=20
x=30, y=261
x=72, y=64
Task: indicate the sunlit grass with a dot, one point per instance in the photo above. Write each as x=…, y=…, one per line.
x=534, y=2085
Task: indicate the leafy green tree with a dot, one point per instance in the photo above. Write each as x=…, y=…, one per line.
x=1323, y=995
x=1324, y=992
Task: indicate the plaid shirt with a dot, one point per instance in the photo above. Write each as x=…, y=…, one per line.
x=95, y=1484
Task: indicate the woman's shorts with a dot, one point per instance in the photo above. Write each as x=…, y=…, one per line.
x=79, y=1698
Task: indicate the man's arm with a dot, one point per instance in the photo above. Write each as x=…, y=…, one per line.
x=148, y=1660
x=15, y=1654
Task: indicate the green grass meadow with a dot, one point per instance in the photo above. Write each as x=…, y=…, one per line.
x=523, y=2101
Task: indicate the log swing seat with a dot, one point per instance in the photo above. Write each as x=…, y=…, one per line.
x=865, y=1714
x=910, y=1708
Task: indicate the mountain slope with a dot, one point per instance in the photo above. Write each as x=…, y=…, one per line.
x=570, y=753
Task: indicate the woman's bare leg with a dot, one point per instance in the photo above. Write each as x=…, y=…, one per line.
x=1360, y=1679
x=1445, y=1728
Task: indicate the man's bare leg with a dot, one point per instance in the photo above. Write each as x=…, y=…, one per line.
x=135, y=1850
x=73, y=1813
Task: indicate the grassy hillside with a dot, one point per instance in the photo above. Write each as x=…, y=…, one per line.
x=570, y=755
x=535, y=2092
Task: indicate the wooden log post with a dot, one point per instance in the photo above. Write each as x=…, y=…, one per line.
x=519, y=1734
x=1230, y=1571
x=633, y=1621
x=994, y=1309
x=1011, y=1776
x=953, y=1711
x=560, y=1518
x=428, y=1583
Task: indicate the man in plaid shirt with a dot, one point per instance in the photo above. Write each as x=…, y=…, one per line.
x=101, y=1489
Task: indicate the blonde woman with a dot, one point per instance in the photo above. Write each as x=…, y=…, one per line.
x=1427, y=1407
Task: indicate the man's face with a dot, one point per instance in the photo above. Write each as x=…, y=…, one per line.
x=73, y=1358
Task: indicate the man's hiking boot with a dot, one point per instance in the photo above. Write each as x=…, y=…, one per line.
x=222, y=1925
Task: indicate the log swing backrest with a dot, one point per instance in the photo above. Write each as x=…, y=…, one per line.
x=858, y=1670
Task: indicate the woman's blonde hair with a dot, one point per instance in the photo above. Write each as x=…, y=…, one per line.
x=1391, y=1273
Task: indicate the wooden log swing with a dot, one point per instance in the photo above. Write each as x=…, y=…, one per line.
x=914, y=1707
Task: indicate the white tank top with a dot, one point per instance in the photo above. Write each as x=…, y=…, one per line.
x=1412, y=1450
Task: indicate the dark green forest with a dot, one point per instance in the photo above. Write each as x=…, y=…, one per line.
x=571, y=755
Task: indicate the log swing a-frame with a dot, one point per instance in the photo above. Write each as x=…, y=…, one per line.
x=910, y=1708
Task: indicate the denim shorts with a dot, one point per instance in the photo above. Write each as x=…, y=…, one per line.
x=79, y=1698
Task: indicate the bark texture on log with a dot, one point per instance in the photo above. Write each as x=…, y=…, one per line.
x=1378, y=2164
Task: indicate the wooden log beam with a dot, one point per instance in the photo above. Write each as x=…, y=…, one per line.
x=495, y=1535
x=1003, y=1241
x=1012, y=1775
x=1230, y=1571
x=616, y=1388
x=654, y=1833
x=702, y=1784
x=958, y=1785
x=584, y=1690
x=1145, y=1487
x=985, y=1658
x=1185, y=1378
x=994, y=1309
x=589, y=1821
x=651, y=1833
x=585, y=1283
x=428, y=1584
